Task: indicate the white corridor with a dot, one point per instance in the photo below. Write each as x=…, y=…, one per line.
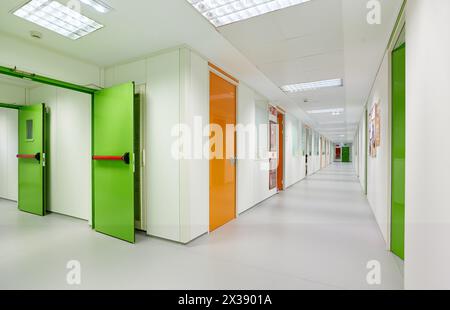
x=318, y=234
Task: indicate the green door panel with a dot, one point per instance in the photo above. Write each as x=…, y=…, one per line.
x=31, y=159
x=398, y=151
x=345, y=155
x=113, y=179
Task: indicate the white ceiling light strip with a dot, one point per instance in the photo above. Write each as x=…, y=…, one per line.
x=58, y=18
x=98, y=5
x=295, y=88
x=223, y=12
x=325, y=111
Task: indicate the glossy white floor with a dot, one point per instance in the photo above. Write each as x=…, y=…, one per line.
x=319, y=234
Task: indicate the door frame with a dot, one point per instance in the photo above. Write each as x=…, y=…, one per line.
x=281, y=117
x=141, y=90
x=42, y=160
x=399, y=27
x=14, y=72
x=10, y=106
x=232, y=80
x=391, y=175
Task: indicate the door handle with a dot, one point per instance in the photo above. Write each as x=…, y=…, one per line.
x=36, y=156
x=125, y=158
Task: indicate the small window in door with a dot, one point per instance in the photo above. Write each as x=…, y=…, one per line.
x=29, y=124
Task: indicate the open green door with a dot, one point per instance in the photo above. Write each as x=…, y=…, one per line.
x=32, y=159
x=398, y=151
x=113, y=161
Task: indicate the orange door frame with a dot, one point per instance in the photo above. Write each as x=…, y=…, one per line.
x=222, y=193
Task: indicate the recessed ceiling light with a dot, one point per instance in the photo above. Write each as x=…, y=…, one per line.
x=223, y=12
x=332, y=111
x=98, y=5
x=58, y=18
x=294, y=88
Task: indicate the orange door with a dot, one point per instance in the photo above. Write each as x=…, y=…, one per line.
x=280, y=170
x=222, y=169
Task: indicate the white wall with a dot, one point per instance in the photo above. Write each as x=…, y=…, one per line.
x=261, y=166
x=8, y=151
x=69, y=154
x=362, y=153
x=427, y=235
x=246, y=146
x=314, y=159
x=34, y=59
x=378, y=185
x=163, y=171
x=194, y=208
x=378, y=168
x=294, y=160
x=12, y=94
x=252, y=148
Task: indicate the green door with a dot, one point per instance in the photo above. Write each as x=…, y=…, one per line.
x=31, y=159
x=113, y=161
x=398, y=152
x=345, y=155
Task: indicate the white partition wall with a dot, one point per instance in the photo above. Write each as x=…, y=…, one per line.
x=260, y=179
x=163, y=171
x=69, y=153
x=8, y=151
x=11, y=92
x=294, y=159
x=194, y=206
x=246, y=146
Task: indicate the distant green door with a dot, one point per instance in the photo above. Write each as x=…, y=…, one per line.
x=113, y=161
x=398, y=152
x=345, y=155
x=31, y=159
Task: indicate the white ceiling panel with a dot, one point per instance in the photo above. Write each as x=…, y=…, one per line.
x=320, y=40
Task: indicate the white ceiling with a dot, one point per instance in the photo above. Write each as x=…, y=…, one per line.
x=317, y=40
x=320, y=40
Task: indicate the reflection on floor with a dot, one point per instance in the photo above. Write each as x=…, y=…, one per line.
x=319, y=234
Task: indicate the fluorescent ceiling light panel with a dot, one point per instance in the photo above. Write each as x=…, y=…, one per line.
x=295, y=88
x=98, y=5
x=324, y=111
x=58, y=18
x=224, y=12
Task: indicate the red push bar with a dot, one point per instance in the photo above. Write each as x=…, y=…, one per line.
x=29, y=156
x=26, y=156
x=118, y=158
x=125, y=158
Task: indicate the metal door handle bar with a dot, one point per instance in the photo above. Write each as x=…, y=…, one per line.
x=125, y=158
x=36, y=156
